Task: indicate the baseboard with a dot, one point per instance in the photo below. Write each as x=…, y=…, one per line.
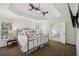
x=71, y=44
x=3, y=46
x=57, y=41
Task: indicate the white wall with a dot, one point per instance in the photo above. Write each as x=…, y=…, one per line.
x=29, y=23
x=77, y=41
x=70, y=33
x=21, y=23
x=58, y=32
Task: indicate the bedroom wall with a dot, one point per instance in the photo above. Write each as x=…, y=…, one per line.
x=29, y=23
x=70, y=33
x=57, y=32
x=21, y=23
x=70, y=36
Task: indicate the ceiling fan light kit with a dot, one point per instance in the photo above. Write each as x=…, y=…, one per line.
x=37, y=9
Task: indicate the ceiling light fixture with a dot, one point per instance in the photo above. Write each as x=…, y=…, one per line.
x=37, y=9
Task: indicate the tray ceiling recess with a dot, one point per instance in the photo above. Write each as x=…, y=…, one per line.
x=42, y=11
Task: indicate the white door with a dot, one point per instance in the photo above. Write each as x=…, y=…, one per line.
x=58, y=32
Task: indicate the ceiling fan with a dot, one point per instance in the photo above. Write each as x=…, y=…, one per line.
x=74, y=18
x=37, y=9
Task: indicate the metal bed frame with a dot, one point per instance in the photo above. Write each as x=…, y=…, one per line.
x=41, y=38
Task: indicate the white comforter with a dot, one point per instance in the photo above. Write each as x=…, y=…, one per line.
x=22, y=40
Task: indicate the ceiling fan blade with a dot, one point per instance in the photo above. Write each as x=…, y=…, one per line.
x=32, y=7
x=71, y=14
x=44, y=13
x=76, y=18
x=37, y=9
x=77, y=14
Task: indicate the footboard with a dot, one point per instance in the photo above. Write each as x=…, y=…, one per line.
x=36, y=42
x=29, y=43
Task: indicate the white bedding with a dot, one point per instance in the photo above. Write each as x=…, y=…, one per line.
x=22, y=40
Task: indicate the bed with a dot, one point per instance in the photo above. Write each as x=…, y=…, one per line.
x=29, y=41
